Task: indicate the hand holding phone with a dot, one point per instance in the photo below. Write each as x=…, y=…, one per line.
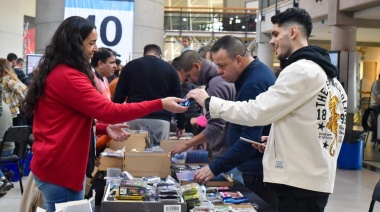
x=187, y=102
x=253, y=142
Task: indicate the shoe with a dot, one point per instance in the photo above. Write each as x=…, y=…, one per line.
x=4, y=192
x=5, y=186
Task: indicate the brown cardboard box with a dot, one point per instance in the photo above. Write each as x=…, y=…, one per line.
x=143, y=164
x=137, y=140
x=169, y=145
x=110, y=162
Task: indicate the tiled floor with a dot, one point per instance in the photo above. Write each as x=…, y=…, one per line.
x=353, y=192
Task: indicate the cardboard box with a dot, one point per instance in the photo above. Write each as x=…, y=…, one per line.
x=144, y=164
x=138, y=140
x=110, y=162
x=169, y=145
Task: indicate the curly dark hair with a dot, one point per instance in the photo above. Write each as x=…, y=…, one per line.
x=294, y=15
x=64, y=48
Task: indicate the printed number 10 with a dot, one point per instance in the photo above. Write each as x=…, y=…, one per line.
x=103, y=29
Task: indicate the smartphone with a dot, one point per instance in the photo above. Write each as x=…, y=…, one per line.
x=187, y=102
x=252, y=142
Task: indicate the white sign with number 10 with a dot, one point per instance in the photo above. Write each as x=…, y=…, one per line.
x=113, y=20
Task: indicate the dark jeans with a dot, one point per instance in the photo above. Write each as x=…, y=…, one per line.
x=255, y=183
x=297, y=199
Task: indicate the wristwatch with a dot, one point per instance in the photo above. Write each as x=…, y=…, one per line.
x=207, y=103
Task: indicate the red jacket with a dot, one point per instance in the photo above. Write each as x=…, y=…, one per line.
x=62, y=123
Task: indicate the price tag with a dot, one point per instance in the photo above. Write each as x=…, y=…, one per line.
x=172, y=208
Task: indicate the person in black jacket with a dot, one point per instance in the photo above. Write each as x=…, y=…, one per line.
x=148, y=78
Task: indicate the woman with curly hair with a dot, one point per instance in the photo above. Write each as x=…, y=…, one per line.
x=65, y=101
x=14, y=91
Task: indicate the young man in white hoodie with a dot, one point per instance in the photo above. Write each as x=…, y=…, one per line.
x=307, y=108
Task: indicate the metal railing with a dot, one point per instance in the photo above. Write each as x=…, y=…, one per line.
x=273, y=3
x=268, y=3
x=210, y=19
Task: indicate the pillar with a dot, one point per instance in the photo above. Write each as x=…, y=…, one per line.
x=49, y=15
x=343, y=38
x=148, y=25
x=265, y=53
x=264, y=49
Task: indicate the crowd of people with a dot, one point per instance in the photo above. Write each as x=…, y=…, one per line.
x=81, y=97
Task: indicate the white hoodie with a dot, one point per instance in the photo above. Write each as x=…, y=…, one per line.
x=308, y=115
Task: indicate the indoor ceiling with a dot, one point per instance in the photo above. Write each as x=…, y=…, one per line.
x=367, y=21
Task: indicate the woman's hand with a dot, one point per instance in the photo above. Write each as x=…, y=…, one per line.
x=117, y=132
x=171, y=104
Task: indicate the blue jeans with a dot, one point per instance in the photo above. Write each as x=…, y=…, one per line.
x=5, y=153
x=57, y=194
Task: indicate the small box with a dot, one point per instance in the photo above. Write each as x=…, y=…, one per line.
x=140, y=206
x=142, y=164
x=109, y=159
x=169, y=145
x=132, y=188
x=138, y=141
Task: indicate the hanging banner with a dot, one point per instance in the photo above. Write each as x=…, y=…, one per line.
x=113, y=20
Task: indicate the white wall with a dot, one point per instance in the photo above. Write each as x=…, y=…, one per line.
x=11, y=24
